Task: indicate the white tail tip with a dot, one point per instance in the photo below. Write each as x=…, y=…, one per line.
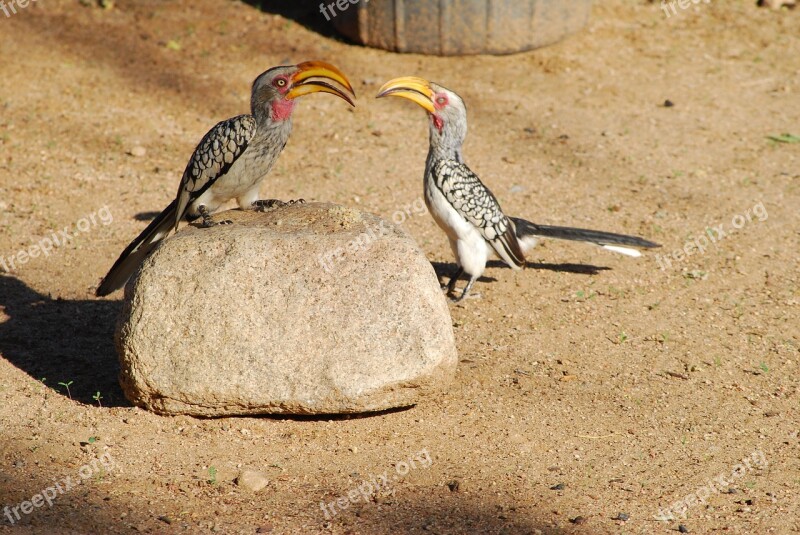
x=627, y=251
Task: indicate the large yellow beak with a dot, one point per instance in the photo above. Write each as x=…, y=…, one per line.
x=414, y=89
x=304, y=82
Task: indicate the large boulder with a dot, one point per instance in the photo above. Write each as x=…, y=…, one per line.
x=305, y=309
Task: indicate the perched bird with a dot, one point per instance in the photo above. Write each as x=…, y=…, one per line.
x=233, y=158
x=464, y=207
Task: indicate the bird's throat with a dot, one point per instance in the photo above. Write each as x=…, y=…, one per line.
x=281, y=109
x=438, y=122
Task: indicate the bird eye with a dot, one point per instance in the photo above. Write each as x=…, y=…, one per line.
x=441, y=101
x=280, y=82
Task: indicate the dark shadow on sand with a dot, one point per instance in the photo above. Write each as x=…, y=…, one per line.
x=58, y=341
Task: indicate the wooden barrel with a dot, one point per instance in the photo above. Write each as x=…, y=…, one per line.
x=458, y=27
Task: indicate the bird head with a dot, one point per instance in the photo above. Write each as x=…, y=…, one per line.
x=274, y=91
x=446, y=110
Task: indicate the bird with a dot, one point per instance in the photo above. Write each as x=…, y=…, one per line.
x=233, y=158
x=465, y=209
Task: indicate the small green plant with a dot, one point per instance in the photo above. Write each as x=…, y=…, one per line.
x=623, y=337
x=92, y=440
x=97, y=397
x=212, y=475
x=763, y=366
x=67, y=385
x=784, y=138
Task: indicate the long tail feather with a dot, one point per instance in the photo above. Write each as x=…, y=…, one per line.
x=527, y=232
x=135, y=253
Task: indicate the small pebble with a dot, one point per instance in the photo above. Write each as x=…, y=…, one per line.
x=622, y=516
x=683, y=529
x=138, y=151
x=252, y=480
x=668, y=103
x=578, y=520
x=560, y=486
x=453, y=485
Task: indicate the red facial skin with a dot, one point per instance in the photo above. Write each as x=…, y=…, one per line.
x=439, y=102
x=282, y=108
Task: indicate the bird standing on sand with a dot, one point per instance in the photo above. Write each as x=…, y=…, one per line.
x=464, y=207
x=233, y=158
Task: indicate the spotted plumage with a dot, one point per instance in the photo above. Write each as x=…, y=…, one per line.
x=213, y=158
x=476, y=204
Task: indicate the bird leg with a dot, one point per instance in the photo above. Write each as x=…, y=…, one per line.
x=467, y=288
x=264, y=205
x=207, y=221
x=451, y=286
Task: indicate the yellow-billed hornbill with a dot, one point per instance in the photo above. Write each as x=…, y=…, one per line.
x=233, y=158
x=465, y=208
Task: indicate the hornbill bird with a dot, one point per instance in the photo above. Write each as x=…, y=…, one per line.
x=233, y=158
x=464, y=207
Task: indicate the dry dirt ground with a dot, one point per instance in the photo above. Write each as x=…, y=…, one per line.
x=590, y=384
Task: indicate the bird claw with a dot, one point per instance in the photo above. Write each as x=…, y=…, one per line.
x=462, y=297
x=207, y=221
x=225, y=222
x=264, y=205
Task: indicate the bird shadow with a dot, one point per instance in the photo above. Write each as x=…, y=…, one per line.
x=579, y=269
x=444, y=270
x=146, y=216
x=66, y=344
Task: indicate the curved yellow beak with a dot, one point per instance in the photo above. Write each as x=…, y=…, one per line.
x=306, y=81
x=412, y=88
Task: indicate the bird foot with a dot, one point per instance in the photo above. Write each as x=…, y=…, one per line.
x=208, y=223
x=264, y=205
x=463, y=297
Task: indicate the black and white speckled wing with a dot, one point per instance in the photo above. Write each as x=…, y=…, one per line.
x=213, y=157
x=472, y=199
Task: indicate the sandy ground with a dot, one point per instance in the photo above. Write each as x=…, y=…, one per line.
x=590, y=384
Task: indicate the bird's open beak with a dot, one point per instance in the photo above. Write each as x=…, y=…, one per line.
x=306, y=81
x=414, y=89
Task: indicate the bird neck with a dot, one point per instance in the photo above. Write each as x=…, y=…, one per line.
x=276, y=110
x=273, y=132
x=266, y=120
x=446, y=140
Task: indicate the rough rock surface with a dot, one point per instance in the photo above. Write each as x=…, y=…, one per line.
x=305, y=309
